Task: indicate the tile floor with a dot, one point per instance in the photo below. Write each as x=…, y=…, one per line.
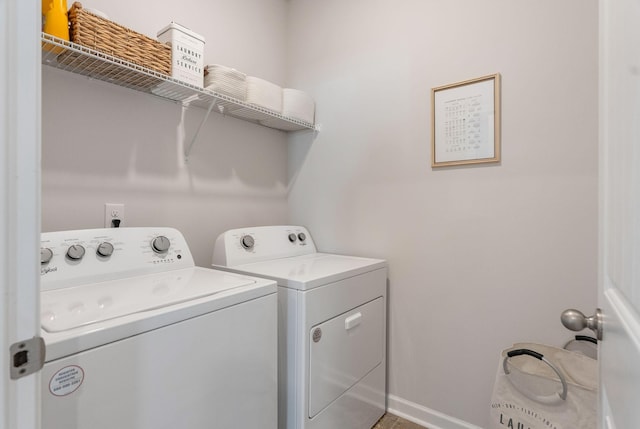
x=389, y=421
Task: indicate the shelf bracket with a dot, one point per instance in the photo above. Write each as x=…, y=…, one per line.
x=195, y=136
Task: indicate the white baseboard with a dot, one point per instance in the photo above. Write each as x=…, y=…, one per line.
x=424, y=416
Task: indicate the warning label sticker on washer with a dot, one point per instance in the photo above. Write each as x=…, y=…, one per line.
x=66, y=380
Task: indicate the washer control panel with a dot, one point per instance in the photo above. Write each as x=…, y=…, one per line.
x=263, y=243
x=70, y=258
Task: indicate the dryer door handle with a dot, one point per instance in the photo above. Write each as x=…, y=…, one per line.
x=352, y=321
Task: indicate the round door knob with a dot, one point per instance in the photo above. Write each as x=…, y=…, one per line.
x=575, y=320
x=302, y=236
x=105, y=249
x=75, y=252
x=293, y=237
x=160, y=244
x=45, y=255
x=247, y=242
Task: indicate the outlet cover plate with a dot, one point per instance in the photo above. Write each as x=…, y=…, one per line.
x=113, y=211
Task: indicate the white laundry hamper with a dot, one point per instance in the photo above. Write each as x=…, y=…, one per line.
x=544, y=387
x=583, y=344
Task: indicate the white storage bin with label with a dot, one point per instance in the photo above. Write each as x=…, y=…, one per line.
x=187, y=53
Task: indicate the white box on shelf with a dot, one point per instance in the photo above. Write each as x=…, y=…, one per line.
x=187, y=53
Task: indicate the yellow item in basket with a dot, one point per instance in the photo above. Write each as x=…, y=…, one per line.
x=56, y=21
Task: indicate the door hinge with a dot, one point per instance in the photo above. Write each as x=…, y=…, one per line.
x=27, y=357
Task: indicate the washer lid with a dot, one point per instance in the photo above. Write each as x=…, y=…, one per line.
x=309, y=271
x=73, y=307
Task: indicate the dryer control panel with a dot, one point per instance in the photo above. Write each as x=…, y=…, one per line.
x=261, y=243
x=70, y=258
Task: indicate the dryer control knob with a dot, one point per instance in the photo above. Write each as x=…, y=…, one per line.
x=293, y=237
x=45, y=255
x=316, y=335
x=247, y=242
x=160, y=244
x=75, y=252
x=105, y=249
x=302, y=236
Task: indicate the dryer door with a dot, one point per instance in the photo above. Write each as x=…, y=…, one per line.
x=342, y=351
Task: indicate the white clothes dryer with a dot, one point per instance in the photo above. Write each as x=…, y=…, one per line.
x=331, y=327
x=138, y=337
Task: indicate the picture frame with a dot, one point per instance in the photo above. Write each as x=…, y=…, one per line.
x=465, y=122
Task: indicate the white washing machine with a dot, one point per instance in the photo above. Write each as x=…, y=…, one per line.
x=332, y=325
x=137, y=337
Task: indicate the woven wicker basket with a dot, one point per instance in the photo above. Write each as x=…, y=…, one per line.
x=113, y=39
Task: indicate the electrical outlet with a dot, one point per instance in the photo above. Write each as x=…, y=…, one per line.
x=113, y=212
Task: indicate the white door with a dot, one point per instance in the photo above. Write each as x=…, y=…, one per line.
x=19, y=206
x=619, y=288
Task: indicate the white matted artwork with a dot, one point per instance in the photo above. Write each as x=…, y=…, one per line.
x=465, y=122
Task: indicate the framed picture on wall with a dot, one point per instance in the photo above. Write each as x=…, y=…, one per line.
x=465, y=122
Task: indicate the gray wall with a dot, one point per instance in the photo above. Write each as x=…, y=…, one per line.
x=479, y=257
x=107, y=144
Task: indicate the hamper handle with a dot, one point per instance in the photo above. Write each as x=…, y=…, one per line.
x=539, y=356
x=586, y=338
x=520, y=352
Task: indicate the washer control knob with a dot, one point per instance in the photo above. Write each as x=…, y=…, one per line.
x=75, y=252
x=302, y=236
x=293, y=237
x=105, y=249
x=45, y=255
x=160, y=244
x=247, y=242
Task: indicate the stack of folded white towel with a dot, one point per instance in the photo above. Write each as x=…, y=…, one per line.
x=261, y=93
x=227, y=81
x=298, y=104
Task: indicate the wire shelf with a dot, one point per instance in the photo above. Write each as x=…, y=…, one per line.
x=84, y=61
